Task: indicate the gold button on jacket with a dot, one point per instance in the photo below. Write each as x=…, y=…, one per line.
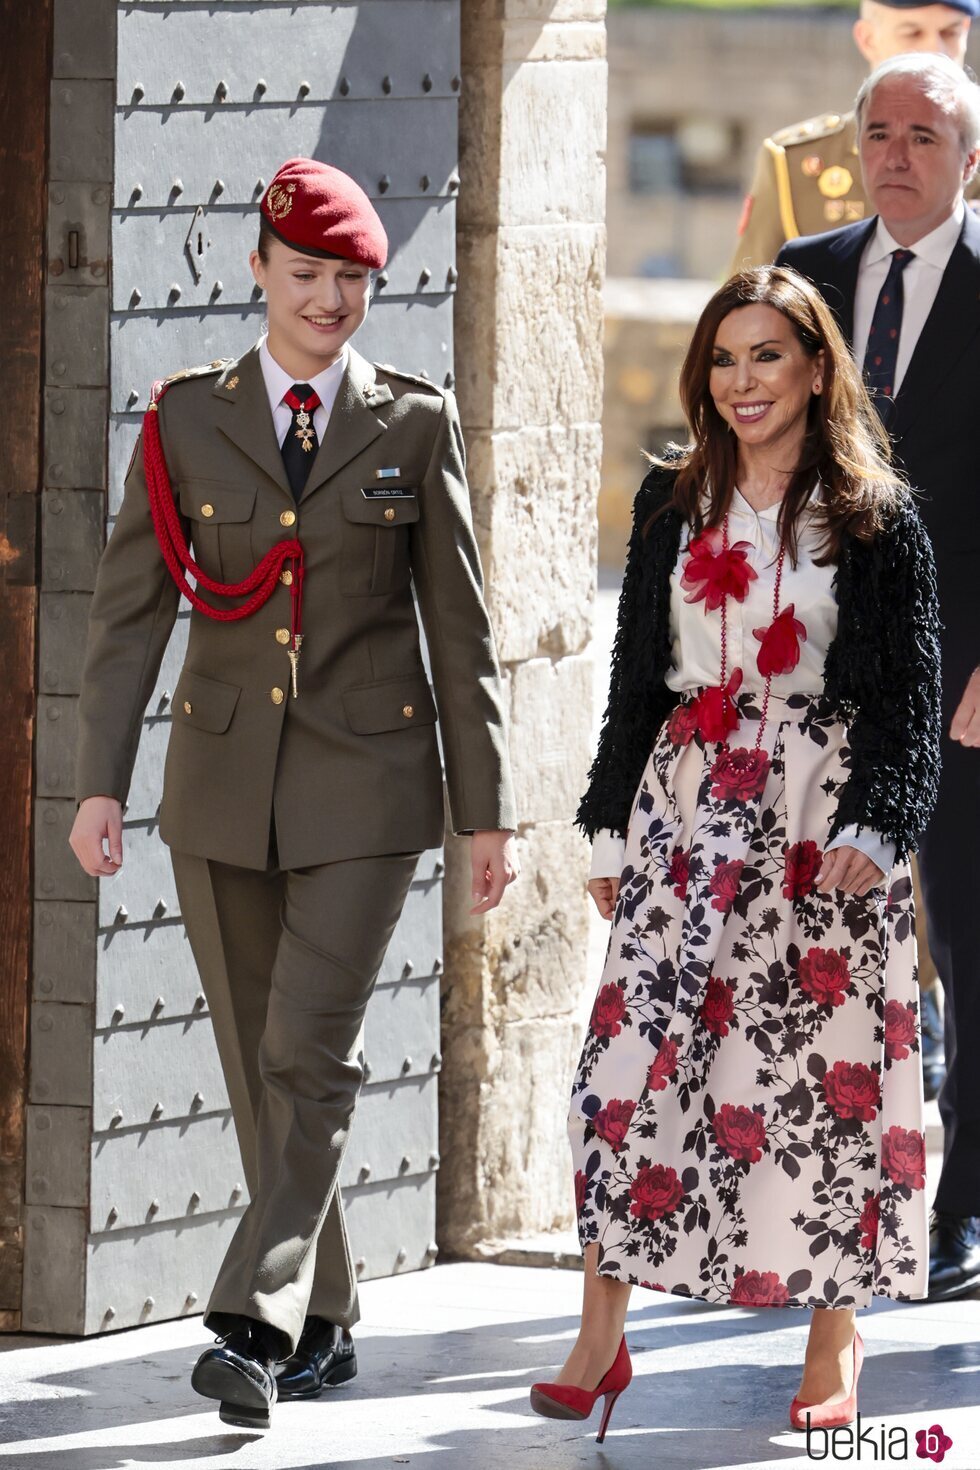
x=207, y=510
x=349, y=767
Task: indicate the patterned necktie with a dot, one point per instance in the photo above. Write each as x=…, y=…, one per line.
x=300, y=444
x=881, y=358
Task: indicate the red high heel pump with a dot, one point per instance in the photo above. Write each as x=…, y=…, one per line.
x=830, y=1416
x=564, y=1401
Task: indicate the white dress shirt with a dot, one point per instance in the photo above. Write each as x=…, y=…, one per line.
x=696, y=646
x=920, y=284
x=278, y=383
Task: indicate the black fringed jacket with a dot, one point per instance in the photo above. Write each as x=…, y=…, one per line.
x=881, y=675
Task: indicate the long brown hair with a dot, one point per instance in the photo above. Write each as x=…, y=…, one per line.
x=845, y=446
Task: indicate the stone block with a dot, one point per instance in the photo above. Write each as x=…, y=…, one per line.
x=520, y=162
x=529, y=310
x=510, y=1171
x=549, y=721
x=511, y=999
x=528, y=958
x=534, y=494
x=487, y=26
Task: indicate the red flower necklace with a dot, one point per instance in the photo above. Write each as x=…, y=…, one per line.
x=712, y=575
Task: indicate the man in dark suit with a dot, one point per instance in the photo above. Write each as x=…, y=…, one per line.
x=905, y=287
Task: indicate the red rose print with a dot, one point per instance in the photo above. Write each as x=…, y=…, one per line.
x=758, y=1289
x=724, y=884
x=663, y=1068
x=712, y=573
x=780, y=651
x=739, y=775
x=656, y=1191
x=717, y=715
x=581, y=1184
x=869, y=1222
x=903, y=1157
x=680, y=867
x=612, y=1121
x=718, y=1006
x=652, y=1286
x=825, y=977
x=740, y=1132
x=899, y=1030
x=608, y=1011
x=852, y=1090
x=803, y=861
x=682, y=723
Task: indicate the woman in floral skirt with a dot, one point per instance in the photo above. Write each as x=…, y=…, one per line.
x=746, y=1121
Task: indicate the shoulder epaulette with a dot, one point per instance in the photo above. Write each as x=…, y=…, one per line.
x=822, y=126
x=199, y=372
x=418, y=378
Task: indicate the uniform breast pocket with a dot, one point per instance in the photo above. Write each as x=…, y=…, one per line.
x=221, y=521
x=375, y=543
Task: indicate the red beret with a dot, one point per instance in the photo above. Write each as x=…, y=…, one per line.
x=322, y=211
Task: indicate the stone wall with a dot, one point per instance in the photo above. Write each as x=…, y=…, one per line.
x=528, y=327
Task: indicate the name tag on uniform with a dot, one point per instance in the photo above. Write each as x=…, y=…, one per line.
x=389, y=474
x=388, y=492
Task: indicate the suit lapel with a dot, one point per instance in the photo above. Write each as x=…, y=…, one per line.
x=949, y=328
x=846, y=253
x=246, y=418
x=352, y=425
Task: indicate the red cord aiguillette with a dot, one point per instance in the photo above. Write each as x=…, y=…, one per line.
x=260, y=582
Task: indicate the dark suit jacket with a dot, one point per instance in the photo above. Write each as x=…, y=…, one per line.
x=936, y=420
x=350, y=767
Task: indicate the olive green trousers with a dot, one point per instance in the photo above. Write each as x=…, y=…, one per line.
x=288, y=962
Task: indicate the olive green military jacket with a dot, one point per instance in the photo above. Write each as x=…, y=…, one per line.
x=351, y=766
x=807, y=180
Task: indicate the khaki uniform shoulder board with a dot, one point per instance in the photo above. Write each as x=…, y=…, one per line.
x=822, y=126
x=417, y=378
x=219, y=364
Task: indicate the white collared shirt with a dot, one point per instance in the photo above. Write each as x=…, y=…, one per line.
x=278, y=383
x=920, y=282
x=696, y=646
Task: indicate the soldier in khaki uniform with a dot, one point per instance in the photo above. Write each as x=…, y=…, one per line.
x=303, y=774
x=807, y=178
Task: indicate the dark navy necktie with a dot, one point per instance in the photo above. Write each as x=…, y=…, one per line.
x=881, y=357
x=300, y=444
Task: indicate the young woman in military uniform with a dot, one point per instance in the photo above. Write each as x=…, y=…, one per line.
x=303, y=776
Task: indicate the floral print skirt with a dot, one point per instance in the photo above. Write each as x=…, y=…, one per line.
x=746, y=1119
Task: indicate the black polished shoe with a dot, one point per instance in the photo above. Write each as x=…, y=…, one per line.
x=954, y=1256
x=239, y=1371
x=324, y=1358
x=933, y=1049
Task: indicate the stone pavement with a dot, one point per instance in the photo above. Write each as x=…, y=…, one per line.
x=446, y=1358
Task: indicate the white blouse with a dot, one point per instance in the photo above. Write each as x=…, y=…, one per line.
x=696, y=648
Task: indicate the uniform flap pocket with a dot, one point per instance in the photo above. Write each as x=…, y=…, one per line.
x=394, y=705
x=395, y=508
x=207, y=704
x=214, y=503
